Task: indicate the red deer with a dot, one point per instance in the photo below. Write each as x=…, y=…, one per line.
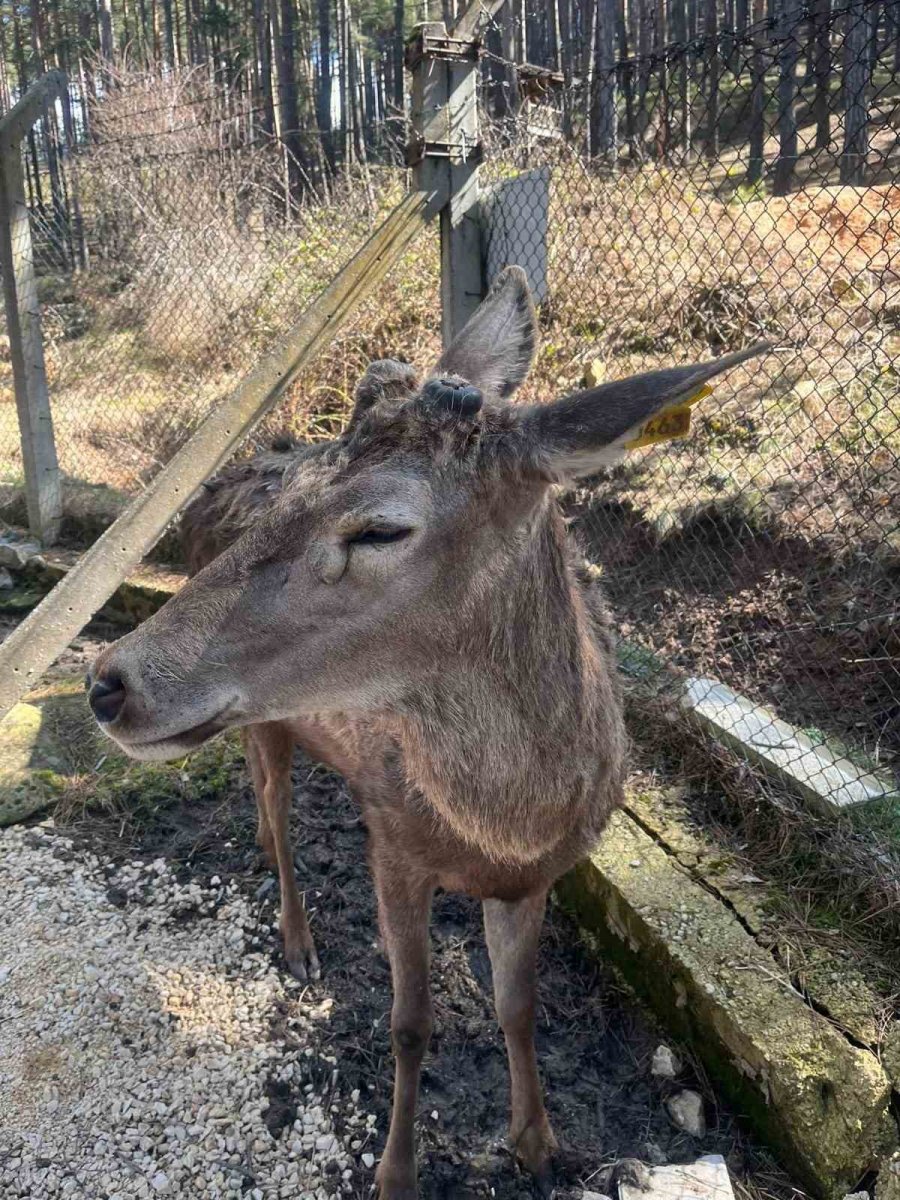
x=405, y=604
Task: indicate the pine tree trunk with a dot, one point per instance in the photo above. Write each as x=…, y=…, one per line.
x=788, y=57
x=627, y=79
x=589, y=70
x=821, y=105
x=553, y=36
x=399, y=81
x=566, y=64
x=663, y=134
x=644, y=46
x=508, y=95
x=263, y=37
x=323, y=106
x=343, y=86
x=756, y=161
x=106, y=41
x=856, y=113
x=604, y=114
x=713, y=72
x=171, y=57
x=287, y=98
x=680, y=35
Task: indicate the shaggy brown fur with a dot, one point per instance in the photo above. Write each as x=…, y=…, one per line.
x=405, y=604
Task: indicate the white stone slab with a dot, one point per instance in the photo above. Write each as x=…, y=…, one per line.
x=825, y=780
x=515, y=214
x=705, y=1179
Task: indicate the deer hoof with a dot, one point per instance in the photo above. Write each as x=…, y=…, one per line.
x=303, y=963
x=534, y=1147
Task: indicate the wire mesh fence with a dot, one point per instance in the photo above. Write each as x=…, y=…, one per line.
x=720, y=191
x=729, y=186
x=178, y=264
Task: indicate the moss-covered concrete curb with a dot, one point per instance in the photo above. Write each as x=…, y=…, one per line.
x=52, y=752
x=819, y=1099
x=137, y=597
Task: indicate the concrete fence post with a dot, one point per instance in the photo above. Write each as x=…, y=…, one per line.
x=23, y=315
x=444, y=152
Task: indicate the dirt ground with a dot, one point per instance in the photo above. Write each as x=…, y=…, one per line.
x=595, y=1042
x=776, y=617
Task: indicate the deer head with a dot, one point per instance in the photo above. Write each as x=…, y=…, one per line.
x=383, y=547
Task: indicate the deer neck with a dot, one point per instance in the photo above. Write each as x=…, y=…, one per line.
x=509, y=735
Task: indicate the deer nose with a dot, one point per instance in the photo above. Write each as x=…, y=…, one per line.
x=107, y=697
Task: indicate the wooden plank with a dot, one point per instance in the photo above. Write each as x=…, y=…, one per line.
x=429, y=116
x=46, y=632
x=462, y=279
x=16, y=123
x=444, y=116
x=827, y=781
x=26, y=348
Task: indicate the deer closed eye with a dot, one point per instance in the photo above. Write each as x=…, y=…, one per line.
x=376, y=535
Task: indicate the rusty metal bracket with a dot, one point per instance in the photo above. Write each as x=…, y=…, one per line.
x=442, y=46
x=417, y=150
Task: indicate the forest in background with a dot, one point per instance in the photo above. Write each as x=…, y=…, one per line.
x=323, y=81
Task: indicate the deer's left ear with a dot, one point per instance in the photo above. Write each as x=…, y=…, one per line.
x=588, y=431
x=494, y=349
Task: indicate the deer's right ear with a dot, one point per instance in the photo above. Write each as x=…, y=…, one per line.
x=494, y=349
x=588, y=431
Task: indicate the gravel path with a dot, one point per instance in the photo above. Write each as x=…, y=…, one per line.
x=135, y=1040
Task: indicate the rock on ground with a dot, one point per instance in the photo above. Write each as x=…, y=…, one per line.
x=686, y=1110
x=666, y=1064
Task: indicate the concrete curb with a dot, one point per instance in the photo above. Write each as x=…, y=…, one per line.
x=137, y=598
x=819, y=1099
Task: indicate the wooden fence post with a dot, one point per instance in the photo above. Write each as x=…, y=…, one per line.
x=23, y=315
x=445, y=152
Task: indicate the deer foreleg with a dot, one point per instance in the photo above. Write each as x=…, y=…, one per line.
x=404, y=907
x=513, y=931
x=273, y=748
x=264, y=837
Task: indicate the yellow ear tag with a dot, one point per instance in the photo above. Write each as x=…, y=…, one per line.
x=674, y=422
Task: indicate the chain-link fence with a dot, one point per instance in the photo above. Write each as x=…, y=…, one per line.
x=168, y=260
x=732, y=186
x=721, y=191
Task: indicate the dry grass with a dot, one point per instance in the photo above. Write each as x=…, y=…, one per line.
x=193, y=275
x=838, y=879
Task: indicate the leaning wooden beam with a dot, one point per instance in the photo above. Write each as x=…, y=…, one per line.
x=43, y=635
x=20, y=118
